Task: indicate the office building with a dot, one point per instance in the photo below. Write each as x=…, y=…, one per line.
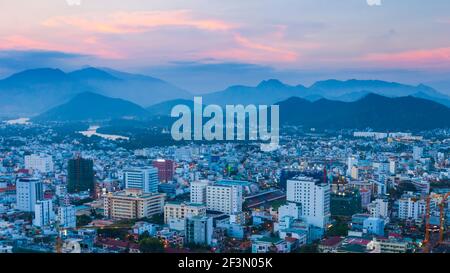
x=379, y=208
x=165, y=169
x=67, y=216
x=198, y=191
x=80, y=175
x=43, y=213
x=199, y=230
x=133, y=204
x=314, y=198
x=41, y=163
x=145, y=179
x=29, y=191
x=226, y=199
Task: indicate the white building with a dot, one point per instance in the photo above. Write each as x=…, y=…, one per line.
x=379, y=208
x=411, y=208
x=293, y=210
x=417, y=152
x=226, y=199
x=41, y=163
x=314, y=198
x=145, y=179
x=351, y=161
x=180, y=211
x=28, y=192
x=198, y=191
x=43, y=213
x=392, y=166
x=67, y=216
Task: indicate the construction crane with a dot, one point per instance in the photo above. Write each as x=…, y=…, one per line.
x=442, y=203
x=442, y=217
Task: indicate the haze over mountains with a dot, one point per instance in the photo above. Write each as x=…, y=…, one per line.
x=32, y=92
x=98, y=94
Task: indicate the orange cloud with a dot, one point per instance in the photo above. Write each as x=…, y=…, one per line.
x=136, y=22
x=425, y=56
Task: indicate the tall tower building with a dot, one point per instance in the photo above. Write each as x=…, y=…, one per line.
x=226, y=199
x=198, y=191
x=199, y=230
x=165, y=169
x=80, y=175
x=67, y=216
x=28, y=192
x=43, y=213
x=145, y=179
x=314, y=198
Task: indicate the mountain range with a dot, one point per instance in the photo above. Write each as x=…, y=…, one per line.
x=272, y=91
x=372, y=111
x=32, y=92
x=51, y=94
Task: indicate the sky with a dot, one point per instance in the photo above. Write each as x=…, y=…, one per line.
x=207, y=45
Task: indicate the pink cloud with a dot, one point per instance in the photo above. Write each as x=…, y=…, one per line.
x=137, y=22
x=20, y=42
x=436, y=56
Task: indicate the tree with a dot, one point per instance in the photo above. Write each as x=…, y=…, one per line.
x=83, y=220
x=309, y=249
x=151, y=245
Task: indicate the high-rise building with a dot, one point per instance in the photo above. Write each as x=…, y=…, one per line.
x=417, y=152
x=28, y=192
x=314, y=198
x=366, y=196
x=351, y=161
x=392, y=166
x=379, y=208
x=145, y=179
x=226, y=199
x=67, y=216
x=165, y=169
x=198, y=191
x=133, y=204
x=41, y=163
x=80, y=175
x=199, y=230
x=43, y=213
x=411, y=207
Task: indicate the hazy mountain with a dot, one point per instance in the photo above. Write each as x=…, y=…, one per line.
x=373, y=111
x=354, y=89
x=34, y=91
x=92, y=106
x=267, y=92
x=272, y=91
x=165, y=108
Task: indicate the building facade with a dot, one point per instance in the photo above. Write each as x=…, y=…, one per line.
x=28, y=192
x=133, y=204
x=145, y=179
x=226, y=199
x=314, y=198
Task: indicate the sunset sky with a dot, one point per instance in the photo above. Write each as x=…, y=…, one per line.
x=203, y=45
